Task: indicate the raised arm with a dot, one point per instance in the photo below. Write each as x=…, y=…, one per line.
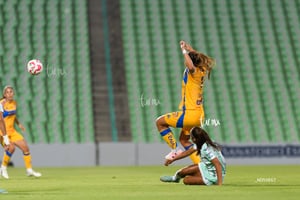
x=188, y=47
x=187, y=59
x=218, y=167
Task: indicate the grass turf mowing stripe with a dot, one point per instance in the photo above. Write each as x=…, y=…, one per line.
x=241, y=182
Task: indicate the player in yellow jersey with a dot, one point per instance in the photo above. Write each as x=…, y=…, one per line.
x=191, y=113
x=16, y=139
x=4, y=136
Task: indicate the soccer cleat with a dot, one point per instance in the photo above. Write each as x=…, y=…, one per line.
x=33, y=173
x=4, y=173
x=172, y=154
x=170, y=179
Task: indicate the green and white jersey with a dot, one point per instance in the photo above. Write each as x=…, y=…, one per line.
x=208, y=153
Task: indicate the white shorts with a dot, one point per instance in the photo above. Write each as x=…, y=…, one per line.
x=207, y=178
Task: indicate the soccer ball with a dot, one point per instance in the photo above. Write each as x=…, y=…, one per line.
x=34, y=66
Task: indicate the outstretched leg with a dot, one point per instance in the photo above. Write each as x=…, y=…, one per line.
x=191, y=175
x=22, y=144
x=165, y=132
x=167, y=135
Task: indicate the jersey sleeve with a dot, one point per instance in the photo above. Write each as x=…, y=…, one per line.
x=1, y=108
x=209, y=153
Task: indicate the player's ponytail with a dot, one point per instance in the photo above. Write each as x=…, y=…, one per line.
x=200, y=137
x=202, y=61
x=208, y=63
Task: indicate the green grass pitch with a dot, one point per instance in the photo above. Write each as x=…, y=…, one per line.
x=142, y=183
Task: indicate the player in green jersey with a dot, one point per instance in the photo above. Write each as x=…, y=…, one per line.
x=212, y=168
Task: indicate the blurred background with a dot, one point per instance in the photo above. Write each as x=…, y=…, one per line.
x=111, y=67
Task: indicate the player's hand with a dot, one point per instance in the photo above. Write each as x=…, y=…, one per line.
x=188, y=47
x=22, y=127
x=6, y=142
x=182, y=44
x=168, y=162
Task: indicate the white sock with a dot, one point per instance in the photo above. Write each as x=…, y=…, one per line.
x=29, y=170
x=176, y=175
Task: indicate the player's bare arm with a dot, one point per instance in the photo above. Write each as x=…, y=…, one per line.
x=218, y=167
x=188, y=47
x=187, y=59
x=19, y=124
x=180, y=156
x=3, y=130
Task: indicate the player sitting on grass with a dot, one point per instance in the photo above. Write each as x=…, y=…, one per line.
x=4, y=136
x=211, y=169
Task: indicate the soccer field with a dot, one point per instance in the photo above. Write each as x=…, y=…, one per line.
x=241, y=182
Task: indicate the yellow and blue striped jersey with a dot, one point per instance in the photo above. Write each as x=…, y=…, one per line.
x=9, y=113
x=192, y=89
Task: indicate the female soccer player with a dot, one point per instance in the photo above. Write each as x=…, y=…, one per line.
x=16, y=139
x=211, y=170
x=191, y=108
x=4, y=135
x=3, y=129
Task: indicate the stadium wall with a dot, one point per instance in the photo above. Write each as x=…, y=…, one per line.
x=133, y=154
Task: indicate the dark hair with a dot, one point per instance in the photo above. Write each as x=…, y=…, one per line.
x=202, y=61
x=200, y=137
